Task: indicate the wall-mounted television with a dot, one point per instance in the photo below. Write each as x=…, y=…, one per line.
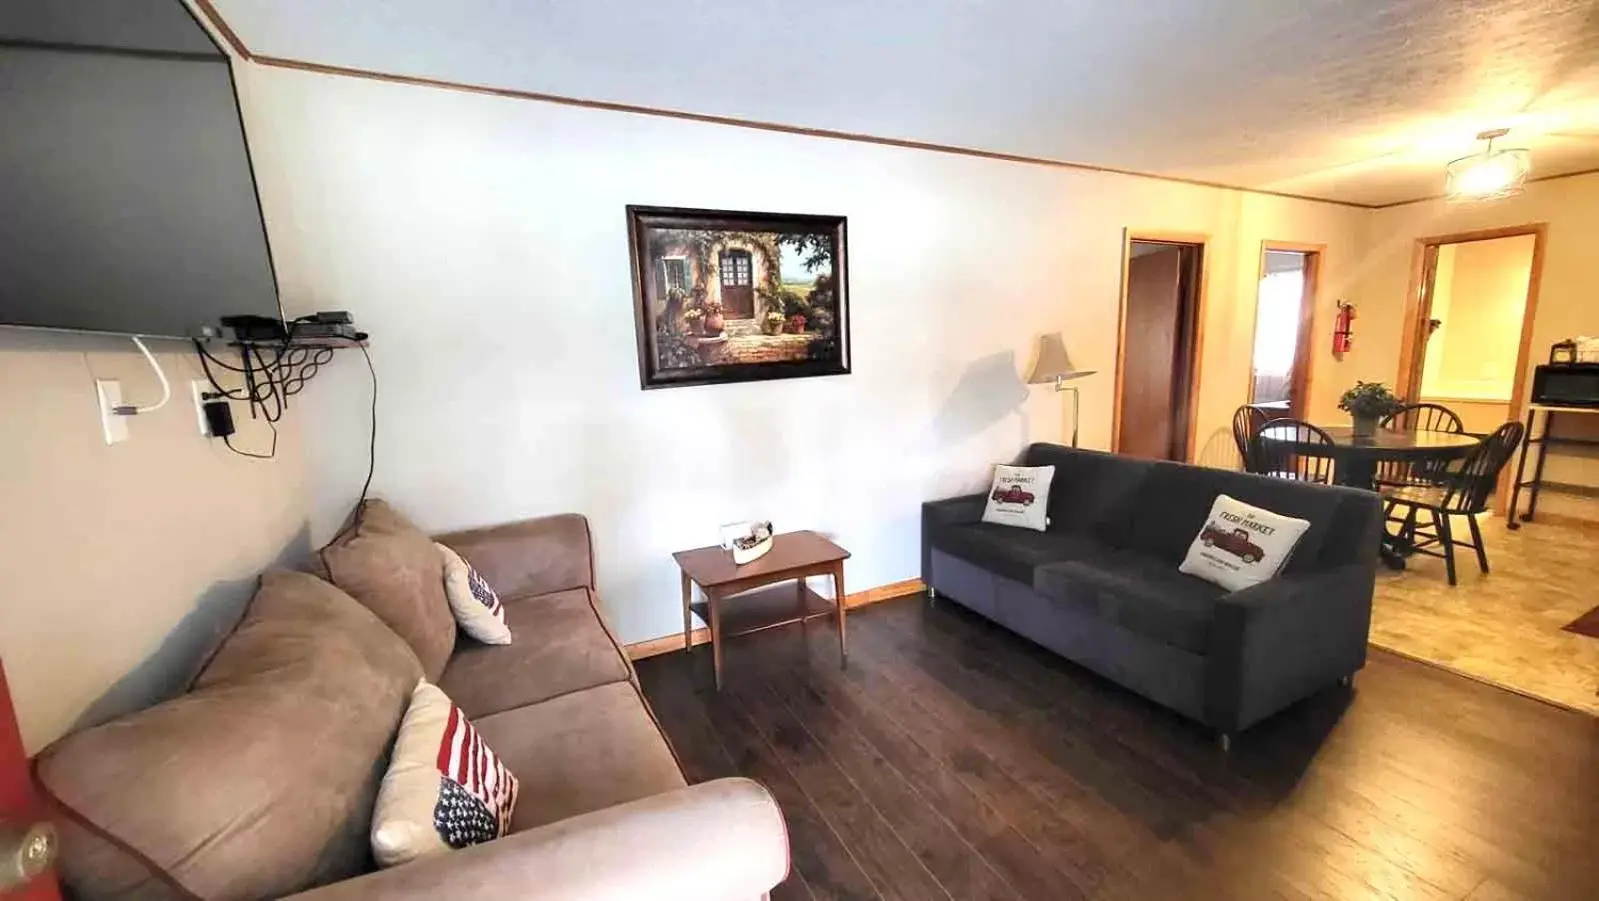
x=127, y=198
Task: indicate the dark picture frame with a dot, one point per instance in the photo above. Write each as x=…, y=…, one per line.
x=725, y=296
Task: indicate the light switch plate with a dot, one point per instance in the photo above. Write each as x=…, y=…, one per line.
x=112, y=426
x=199, y=388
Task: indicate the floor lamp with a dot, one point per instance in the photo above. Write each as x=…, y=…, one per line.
x=1052, y=366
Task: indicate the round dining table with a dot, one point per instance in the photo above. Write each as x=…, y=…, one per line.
x=1355, y=459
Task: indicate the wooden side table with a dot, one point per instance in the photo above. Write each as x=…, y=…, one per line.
x=794, y=557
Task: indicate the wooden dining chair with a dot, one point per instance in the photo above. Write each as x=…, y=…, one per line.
x=1247, y=421
x=1465, y=492
x=1423, y=417
x=1283, y=455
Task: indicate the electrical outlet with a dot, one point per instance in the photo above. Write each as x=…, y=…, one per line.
x=114, y=427
x=199, y=388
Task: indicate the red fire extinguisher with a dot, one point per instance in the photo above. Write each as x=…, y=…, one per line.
x=1343, y=332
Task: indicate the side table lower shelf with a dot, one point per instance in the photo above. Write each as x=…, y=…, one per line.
x=765, y=608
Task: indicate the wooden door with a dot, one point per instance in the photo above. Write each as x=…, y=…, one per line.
x=1151, y=354
x=19, y=805
x=738, y=290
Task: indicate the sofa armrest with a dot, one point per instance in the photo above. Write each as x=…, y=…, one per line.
x=968, y=508
x=534, y=556
x=635, y=850
x=1285, y=639
x=951, y=511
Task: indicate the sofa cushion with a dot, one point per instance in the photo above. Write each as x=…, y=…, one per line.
x=581, y=752
x=258, y=782
x=1137, y=593
x=393, y=568
x=562, y=646
x=1175, y=500
x=1012, y=553
x=1093, y=492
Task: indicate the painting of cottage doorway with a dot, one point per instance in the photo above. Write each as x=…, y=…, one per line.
x=724, y=296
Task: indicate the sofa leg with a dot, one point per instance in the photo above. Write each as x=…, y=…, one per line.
x=1225, y=740
x=932, y=595
x=1347, y=681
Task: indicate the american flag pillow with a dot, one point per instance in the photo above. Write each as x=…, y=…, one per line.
x=444, y=787
x=478, y=610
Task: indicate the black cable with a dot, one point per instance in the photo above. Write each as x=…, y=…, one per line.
x=228, y=440
x=353, y=521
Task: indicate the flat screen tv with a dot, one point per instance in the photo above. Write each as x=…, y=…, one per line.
x=127, y=199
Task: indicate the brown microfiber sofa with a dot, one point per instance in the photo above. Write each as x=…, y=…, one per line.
x=259, y=781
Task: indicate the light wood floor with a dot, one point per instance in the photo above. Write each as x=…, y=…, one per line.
x=1504, y=627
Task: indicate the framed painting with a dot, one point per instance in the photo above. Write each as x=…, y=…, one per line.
x=724, y=296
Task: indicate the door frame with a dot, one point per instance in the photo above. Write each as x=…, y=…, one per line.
x=1196, y=356
x=1304, y=356
x=1418, y=303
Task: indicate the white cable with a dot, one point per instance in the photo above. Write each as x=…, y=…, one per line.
x=166, y=386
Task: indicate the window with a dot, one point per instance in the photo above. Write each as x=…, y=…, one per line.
x=735, y=268
x=674, y=274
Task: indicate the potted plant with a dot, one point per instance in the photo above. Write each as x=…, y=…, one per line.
x=796, y=324
x=713, y=323
x=772, y=323
x=1367, y=403
x=693, y=318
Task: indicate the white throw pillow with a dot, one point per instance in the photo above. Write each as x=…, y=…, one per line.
x=477, y=608
x=1020, y=496
x=1242, y=545
x=444, y=788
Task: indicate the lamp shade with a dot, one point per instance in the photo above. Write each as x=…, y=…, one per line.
x=1051, y=364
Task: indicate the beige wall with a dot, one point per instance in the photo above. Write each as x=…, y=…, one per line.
x=1566, y=302
x=490, y=261
x=120, y=562
x=1479, y=294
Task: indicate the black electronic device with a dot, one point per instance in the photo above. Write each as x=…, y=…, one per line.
x=127, y=199
x=1566, y=385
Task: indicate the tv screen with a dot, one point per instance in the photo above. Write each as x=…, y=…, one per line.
x=127, y=201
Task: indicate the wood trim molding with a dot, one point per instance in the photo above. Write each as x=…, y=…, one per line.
x=1129, y=235
x=1411, y=346
x=220, y=25
x=666, y=644
x=1556, y=177
x=762, y=125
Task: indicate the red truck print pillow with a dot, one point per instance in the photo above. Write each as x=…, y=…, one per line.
x=1019, y=497
x=1242, y=545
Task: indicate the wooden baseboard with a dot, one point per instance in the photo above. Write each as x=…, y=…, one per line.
x=666, y=644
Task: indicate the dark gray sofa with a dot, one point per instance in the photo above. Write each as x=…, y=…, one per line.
x=1100, y=586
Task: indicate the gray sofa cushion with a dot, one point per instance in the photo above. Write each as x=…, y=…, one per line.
x=1093, y=493
x=1175, y=499
x=1011, y=552
x=1136, y=592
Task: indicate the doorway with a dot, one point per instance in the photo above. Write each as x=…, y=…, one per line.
x=1468, y=327
x=1284, y=315
x=1471, y=319
x=1157, y=361
x=738, y=290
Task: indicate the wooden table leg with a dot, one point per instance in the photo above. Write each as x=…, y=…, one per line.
x=838, y=601
x=688, y=616
x=713, y=601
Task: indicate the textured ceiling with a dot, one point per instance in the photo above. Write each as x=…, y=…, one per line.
x=1355, y=101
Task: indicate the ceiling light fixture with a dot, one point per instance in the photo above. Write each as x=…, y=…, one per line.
x=1490, y=174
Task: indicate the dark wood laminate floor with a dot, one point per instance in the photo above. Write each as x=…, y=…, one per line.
x=954, y=760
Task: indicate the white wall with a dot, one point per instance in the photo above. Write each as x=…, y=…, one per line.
x=122, y=564
x=482, y=241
